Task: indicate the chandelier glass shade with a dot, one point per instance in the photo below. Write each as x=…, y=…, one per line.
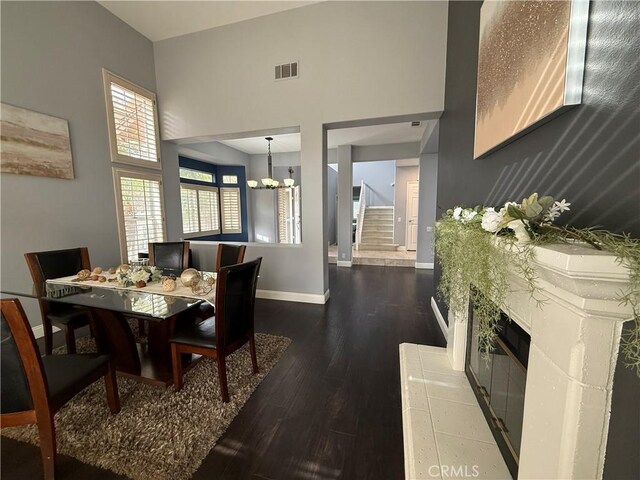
x=268, y=182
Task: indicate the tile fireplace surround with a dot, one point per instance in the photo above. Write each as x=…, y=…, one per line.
x=575, y=339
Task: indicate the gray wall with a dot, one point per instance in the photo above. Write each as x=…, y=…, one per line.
x=218, y=97
x=52, y=56
x=379, y=177
x=589, y=155
x=345, y=204
x=427, y=209
x=332, y=204
x=403, y=175
x=262, y=203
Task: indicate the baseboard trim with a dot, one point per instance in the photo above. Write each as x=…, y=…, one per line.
x=440, y=318
x=424, y=266
x=345, y=263
x=319, y=299
x=38, y=331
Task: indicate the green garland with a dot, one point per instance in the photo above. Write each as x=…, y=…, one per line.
x=478, y=246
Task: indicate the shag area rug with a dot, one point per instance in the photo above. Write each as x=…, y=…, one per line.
x=159, y=433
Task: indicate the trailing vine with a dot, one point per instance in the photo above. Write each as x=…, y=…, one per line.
x=479, y=247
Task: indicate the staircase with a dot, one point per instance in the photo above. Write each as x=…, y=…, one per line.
x=377, y=229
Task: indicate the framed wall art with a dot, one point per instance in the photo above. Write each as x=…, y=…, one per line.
x=530, y=67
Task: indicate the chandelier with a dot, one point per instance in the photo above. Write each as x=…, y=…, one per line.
x=269, y=183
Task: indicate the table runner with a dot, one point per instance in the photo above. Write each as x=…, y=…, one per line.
x=153, y=287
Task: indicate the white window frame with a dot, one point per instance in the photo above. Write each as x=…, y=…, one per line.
x=122, y=233
x=223, y=227
x=201, y=233
x=109, y=77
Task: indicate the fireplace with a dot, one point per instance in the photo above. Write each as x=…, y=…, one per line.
x=575, y=339
x=498, y=380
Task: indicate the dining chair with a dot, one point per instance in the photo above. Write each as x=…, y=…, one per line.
x=228, y=254
x=34, y=388
x=169, y=255
x=68, y=318
x=232, y=327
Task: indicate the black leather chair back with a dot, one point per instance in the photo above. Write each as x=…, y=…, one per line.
x=169, y=255
x=235, y=301
x=15, y=395
x=229, y=255
x=60, y=263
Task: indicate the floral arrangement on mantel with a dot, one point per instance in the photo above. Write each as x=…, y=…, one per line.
x=477, y=246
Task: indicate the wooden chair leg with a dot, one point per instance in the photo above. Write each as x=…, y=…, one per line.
x=111, y=385
x=47, y=432
x=70, y=337
x=222, y=377
x=48, y=336
x=252, y=349
x=176, y=361
x=140, y=327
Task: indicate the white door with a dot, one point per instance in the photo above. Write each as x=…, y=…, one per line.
x=412, y=215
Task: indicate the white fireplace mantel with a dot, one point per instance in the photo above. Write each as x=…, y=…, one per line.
x=575, y=339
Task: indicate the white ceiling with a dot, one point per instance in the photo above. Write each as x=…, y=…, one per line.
x=158, y=20
x=289, y=142
x=372, y=135
x=377, y=134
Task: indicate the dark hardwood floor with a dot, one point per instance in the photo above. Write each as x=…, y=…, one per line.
x=331, y=408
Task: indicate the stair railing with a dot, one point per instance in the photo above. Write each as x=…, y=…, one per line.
x=362, y=206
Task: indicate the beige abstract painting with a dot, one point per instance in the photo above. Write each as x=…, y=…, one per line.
x=32, y=143
x=522, y=67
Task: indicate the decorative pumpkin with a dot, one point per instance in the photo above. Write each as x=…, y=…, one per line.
x=168, y=284
x=84, y=274
x=97, y=270
x=190, y=277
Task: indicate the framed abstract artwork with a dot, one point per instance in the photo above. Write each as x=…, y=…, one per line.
x=530, y=67
x=34, y=144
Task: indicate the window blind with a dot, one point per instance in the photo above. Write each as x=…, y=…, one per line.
x=231, y=211
x=133, y=128
x=189, y=200
x=200, y=209
x=209, y=210
x=142, y=212
x=285, y=230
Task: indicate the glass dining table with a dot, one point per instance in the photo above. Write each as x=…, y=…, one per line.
x=146, y=359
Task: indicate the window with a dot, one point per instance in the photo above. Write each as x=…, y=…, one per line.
x=140, y=211
x=230, y=179
x=200, y=211
x=289, y=215
x=190, y=174
x=231, y=211
x=133, y=122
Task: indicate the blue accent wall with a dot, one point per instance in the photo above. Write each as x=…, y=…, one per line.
x=218, y=171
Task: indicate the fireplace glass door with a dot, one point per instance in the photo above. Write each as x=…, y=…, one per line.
x=499, y=380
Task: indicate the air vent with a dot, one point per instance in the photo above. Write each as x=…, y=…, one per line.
x=286, y=71
x=415, y=124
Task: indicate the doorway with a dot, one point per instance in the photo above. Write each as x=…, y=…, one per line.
x=412, y=215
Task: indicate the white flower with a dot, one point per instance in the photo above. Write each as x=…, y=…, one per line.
x=519, y=230
x=468, y=215
x=490, y=220
x=456, y=213
x=562, y=206
x=138, y=275
x=556, y=209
